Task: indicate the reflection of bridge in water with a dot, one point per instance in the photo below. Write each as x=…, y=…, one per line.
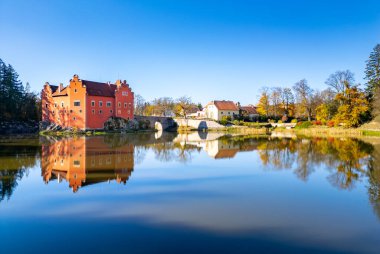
x=217, y=145
x=84, y=161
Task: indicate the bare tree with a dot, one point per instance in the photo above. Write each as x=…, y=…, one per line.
x=184, y=104
x=162, y=106
x=275, y=99
x=287, y=99
x=305, y=98
x=139, y=104
x=338, y=80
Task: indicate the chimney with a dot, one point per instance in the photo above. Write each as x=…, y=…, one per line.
x=60, y=87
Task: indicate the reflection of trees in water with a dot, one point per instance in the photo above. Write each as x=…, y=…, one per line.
x=139, y=154
x=374, y=180
x=346, y=159
x=169, y=151
x=15, y=162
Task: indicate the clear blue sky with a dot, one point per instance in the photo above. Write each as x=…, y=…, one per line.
x=204, y=49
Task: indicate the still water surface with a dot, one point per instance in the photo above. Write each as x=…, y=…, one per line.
x=191, y=193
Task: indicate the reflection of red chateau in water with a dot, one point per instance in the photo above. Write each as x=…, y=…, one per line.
x=86, y=104
x=84, y=161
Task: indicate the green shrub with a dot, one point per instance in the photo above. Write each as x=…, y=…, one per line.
x=279, y=121
x=303, y=125
x=225, y=120
x=294, y=120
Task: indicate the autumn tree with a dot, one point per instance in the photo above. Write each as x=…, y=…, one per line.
x=161, y=106
x=184, y=105
x=353, y=106
x=263, y=104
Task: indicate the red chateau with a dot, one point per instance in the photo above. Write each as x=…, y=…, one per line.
x=86, y=105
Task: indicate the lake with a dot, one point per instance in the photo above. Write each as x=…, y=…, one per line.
x=189, y=193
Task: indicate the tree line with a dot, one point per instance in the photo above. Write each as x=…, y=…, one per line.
x=166, y=106
x=343, y=101
x=17, y=102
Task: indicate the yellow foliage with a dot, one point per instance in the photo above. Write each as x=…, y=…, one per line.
x=353, y=105
x=262, y=106
x=322, y=112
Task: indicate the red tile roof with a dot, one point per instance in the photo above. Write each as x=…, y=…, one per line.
x=249, y=109
x=99, y=89
x=225, y=105
x=226, y=153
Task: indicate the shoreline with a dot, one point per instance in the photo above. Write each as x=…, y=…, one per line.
x=330, y=132
x=316, y=131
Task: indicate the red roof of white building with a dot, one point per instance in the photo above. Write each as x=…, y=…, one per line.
x=224, y=105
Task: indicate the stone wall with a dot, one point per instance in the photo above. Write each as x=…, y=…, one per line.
x=198, y=124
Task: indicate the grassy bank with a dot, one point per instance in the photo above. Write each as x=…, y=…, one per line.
x=331, y=132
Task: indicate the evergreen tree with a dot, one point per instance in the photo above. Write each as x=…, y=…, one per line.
x=372, y=72
x=2, y=89
x=16, y=102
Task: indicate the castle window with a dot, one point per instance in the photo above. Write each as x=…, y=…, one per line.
x=92, y=103
x=100, y=111
x=75, y=90
x=111, y=111
x=119, y=104
x=77, y=163
x=74, y=118
x=77, y=103
x=93, y=111
x=124, y=93
x=100, y=104
x=108, y=104
x=62, y=104
x=55, y=105
x=125, y=105
x=80, y=111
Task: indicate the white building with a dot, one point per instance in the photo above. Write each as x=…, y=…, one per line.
x=217, y=109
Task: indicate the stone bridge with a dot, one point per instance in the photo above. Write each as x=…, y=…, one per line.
x=160, y=123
